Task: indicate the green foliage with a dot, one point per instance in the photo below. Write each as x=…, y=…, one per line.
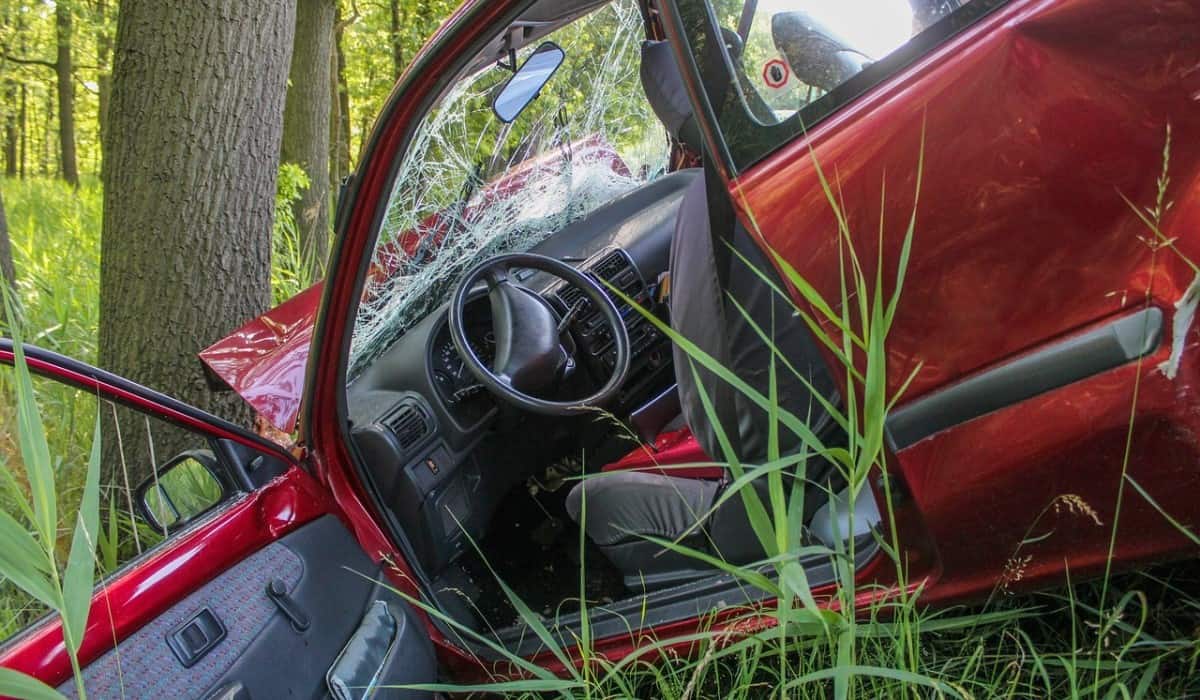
x=55, y=234
x=291, y=267
x=27, y=35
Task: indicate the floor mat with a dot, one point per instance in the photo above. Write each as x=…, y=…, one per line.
x=534, y=548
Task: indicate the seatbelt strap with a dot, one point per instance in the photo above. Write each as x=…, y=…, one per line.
x=721, y=220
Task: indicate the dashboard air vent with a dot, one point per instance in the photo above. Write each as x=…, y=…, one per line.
x=408, y=423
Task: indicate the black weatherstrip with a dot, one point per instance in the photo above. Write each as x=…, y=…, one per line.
x=1057, y=365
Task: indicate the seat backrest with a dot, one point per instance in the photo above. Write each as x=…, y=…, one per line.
x=667, y=94
x=705, y=301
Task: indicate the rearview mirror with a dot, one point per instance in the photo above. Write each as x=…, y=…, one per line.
x=527, y=81
x=183, y=489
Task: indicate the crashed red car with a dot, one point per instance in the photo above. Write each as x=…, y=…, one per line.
x=443, y=383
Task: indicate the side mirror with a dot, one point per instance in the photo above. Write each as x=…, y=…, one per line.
x=527, y=81
x=185, y=488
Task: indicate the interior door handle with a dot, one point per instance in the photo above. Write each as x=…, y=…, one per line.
x=196, y=637
x=277, y=592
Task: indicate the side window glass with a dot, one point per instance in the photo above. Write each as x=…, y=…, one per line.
x=156, y=478
x=786, y=64
x=798, y=50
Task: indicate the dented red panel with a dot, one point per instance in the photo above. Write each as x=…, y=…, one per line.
x=265, y=360
x=1038, y=125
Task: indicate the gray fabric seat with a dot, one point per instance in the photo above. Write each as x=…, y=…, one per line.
x=624, y=507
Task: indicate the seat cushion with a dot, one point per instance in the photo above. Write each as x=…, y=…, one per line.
x=623, y=508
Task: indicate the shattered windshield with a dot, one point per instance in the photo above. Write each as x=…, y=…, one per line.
x=472, y=186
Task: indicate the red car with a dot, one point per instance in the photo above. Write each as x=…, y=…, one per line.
x=467, y=359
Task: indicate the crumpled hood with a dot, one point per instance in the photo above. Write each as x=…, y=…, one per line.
x=264, y=361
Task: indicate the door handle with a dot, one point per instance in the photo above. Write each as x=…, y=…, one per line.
x=196, y=637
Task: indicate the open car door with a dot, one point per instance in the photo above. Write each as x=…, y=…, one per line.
x=1049, y=295
x=248, y=585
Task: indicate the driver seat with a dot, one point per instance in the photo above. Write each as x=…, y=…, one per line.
x=637, y=497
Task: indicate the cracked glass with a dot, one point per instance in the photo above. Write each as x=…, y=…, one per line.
x=471, y=186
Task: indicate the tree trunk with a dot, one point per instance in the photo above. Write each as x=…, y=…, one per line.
x=195, y=119
x=340, y=132
x=306, y=126
x=396, y=39
x=22, y=128
x=11, y=136
x=6, y=259
x=335, y=108
x=103, y=70
x=64, y=72
x=11, y=100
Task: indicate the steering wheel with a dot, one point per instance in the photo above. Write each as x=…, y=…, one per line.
x=530, y=352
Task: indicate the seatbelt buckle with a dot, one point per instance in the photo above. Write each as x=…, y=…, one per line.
x=662, y=287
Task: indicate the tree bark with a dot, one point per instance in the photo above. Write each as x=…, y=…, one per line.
x=22, y=129
x=306, y=125
x=195, y=120
x=64, y=71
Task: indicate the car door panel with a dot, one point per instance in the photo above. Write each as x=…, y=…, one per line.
x=1038, y=127
x=283, y=527
x=330, y=580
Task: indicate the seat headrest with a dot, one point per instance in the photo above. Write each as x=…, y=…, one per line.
x=663, y=83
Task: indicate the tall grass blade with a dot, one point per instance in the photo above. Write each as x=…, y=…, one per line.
x=31, y=436
x=18, y=685
x=23, y=561
x=80, y=573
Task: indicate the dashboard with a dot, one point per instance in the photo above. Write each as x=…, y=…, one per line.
x=421, y=421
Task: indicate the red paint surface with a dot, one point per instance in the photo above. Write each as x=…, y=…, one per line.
x=1036, y=122
x=322, y=428
x=675, y=453
x=1035, y=118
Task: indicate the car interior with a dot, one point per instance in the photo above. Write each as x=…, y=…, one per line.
x=526, y=415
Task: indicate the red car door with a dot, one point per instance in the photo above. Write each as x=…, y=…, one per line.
x=1053, y=330
x=266, y=593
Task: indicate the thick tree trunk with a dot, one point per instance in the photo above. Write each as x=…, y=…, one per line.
x=335, y=109
x=195, y=120
x=64, y=72
x=306, y=125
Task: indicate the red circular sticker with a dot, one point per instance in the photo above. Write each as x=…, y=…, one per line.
x=775, y=73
